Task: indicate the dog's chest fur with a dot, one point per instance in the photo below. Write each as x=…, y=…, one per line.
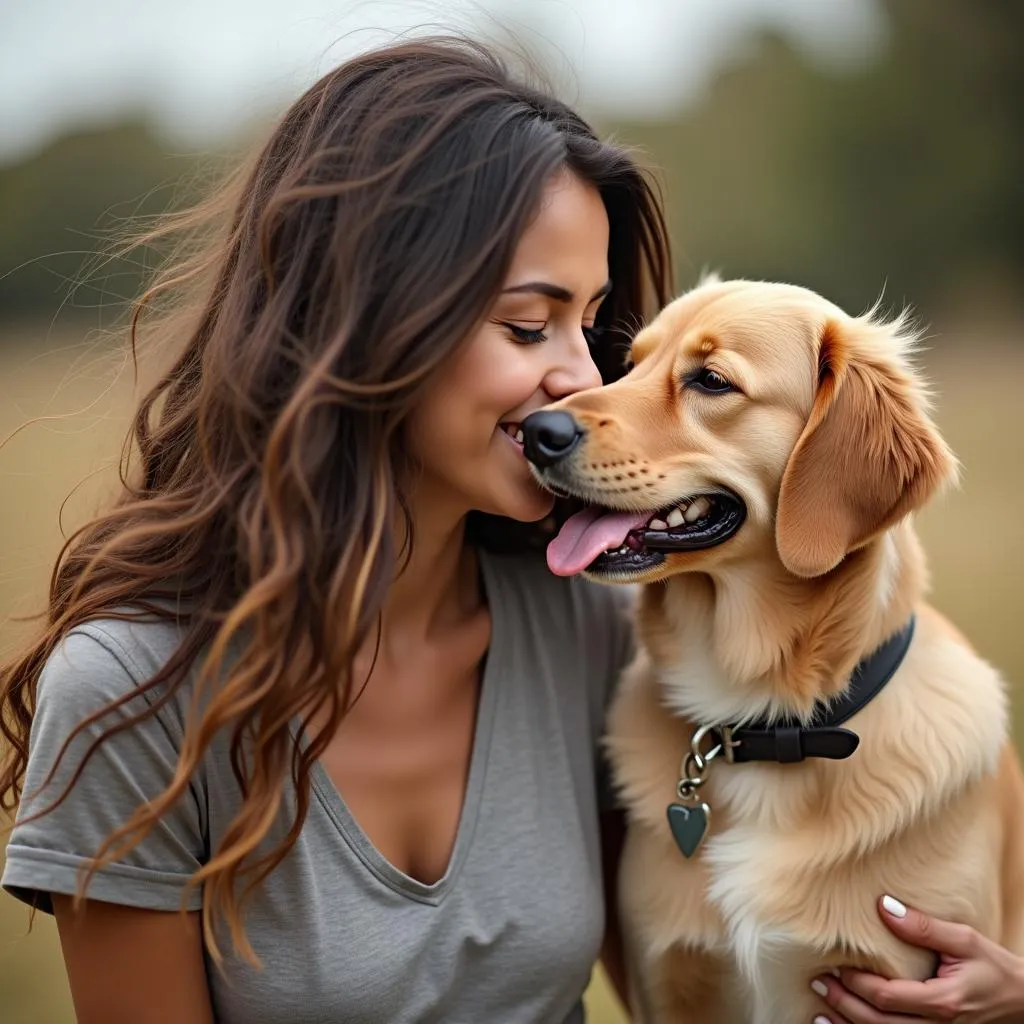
x=785, y=885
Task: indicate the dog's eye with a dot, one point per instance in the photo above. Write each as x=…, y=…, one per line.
x=710, y=380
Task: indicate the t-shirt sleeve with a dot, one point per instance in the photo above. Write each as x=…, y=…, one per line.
x=619, y=647
x=45, y=854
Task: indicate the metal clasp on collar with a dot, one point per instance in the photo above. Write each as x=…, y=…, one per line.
x=695, y=763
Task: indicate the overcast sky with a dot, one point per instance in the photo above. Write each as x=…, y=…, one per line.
x=203, y=66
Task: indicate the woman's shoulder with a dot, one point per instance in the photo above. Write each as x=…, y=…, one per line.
x=113, y=742
x=103, y=660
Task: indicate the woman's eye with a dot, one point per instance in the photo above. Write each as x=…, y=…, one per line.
x=524, y=335
x=592, y=334
x=711, y=381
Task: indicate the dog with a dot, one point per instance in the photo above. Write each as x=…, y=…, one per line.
x=757, y=471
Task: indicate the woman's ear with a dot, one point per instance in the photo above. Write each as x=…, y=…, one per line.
x=868, y=455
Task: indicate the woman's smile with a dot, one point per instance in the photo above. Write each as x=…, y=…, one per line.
x=514, y=433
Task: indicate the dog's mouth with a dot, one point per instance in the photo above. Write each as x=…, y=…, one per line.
x=604, y=542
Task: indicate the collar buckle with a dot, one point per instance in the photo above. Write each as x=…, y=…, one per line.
x=728, y=743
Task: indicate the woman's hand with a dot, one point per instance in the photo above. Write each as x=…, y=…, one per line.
x=978, y=982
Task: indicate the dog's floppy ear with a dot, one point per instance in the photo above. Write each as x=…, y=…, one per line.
x=867, y=457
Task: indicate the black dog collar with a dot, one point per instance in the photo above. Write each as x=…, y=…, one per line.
x=784, y=742
x=788, y=740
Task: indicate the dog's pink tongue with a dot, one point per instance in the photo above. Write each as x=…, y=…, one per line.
x=585, y=535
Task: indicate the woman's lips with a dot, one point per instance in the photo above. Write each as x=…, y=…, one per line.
x=514, y=432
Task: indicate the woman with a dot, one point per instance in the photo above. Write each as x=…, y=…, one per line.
x=308, y=670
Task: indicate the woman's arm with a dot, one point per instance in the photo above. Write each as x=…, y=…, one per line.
x=131, y=954
x=129, y=966
x=613, y=832
x=978, y=982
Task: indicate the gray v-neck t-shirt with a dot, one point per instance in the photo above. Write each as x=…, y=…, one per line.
x=509, y=933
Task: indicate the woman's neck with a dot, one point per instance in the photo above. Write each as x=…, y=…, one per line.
x=438, y=583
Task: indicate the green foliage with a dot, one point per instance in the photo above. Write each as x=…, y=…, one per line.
x=63, y=207
x=905, y=175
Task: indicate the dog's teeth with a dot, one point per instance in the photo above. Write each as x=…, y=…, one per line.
x=518, y=435
x=675, y=518
x=658, y=524
x=699, y=508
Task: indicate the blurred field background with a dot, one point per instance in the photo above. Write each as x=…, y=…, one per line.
x=851, y=146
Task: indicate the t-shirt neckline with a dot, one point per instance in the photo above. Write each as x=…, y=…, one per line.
x=330, y=798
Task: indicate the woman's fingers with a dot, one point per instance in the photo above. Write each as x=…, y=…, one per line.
x=835, y=1018
x=957, y=940
x=866, y=998
x=936, y=999
x=853, y=1009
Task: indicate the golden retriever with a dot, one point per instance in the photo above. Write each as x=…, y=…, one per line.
x=757, y=471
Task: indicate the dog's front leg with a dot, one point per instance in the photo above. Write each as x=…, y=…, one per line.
x=690, y=987
x=669, y=929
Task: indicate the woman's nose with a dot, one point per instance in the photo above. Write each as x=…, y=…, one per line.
x=577, y=372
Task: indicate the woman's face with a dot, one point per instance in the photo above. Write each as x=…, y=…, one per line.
x=530, y=349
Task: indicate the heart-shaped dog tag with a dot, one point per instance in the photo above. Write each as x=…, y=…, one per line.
x=689, y=826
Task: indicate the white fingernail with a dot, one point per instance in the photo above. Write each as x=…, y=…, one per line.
x=834, y=971
x=819, y=987
x=893, y=906
x=821, y=1020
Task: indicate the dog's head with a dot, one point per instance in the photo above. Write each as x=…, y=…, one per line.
x=759, y=419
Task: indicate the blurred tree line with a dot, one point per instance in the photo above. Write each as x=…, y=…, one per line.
x=63, y=207
x=906, y=174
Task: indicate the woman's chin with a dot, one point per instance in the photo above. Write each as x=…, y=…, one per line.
x=529, y=505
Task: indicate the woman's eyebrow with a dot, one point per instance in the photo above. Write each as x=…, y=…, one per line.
x=555, y=291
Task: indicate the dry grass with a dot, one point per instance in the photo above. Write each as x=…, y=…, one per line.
x=972, y=536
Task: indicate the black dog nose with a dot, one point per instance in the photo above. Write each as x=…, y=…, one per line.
x=549, y=436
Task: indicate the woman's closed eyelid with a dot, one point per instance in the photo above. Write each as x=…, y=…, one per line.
x=525, y=335
x=531, y=332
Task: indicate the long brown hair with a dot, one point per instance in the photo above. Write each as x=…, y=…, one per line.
x=339, y=273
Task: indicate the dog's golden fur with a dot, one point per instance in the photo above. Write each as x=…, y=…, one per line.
x=829, y=443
